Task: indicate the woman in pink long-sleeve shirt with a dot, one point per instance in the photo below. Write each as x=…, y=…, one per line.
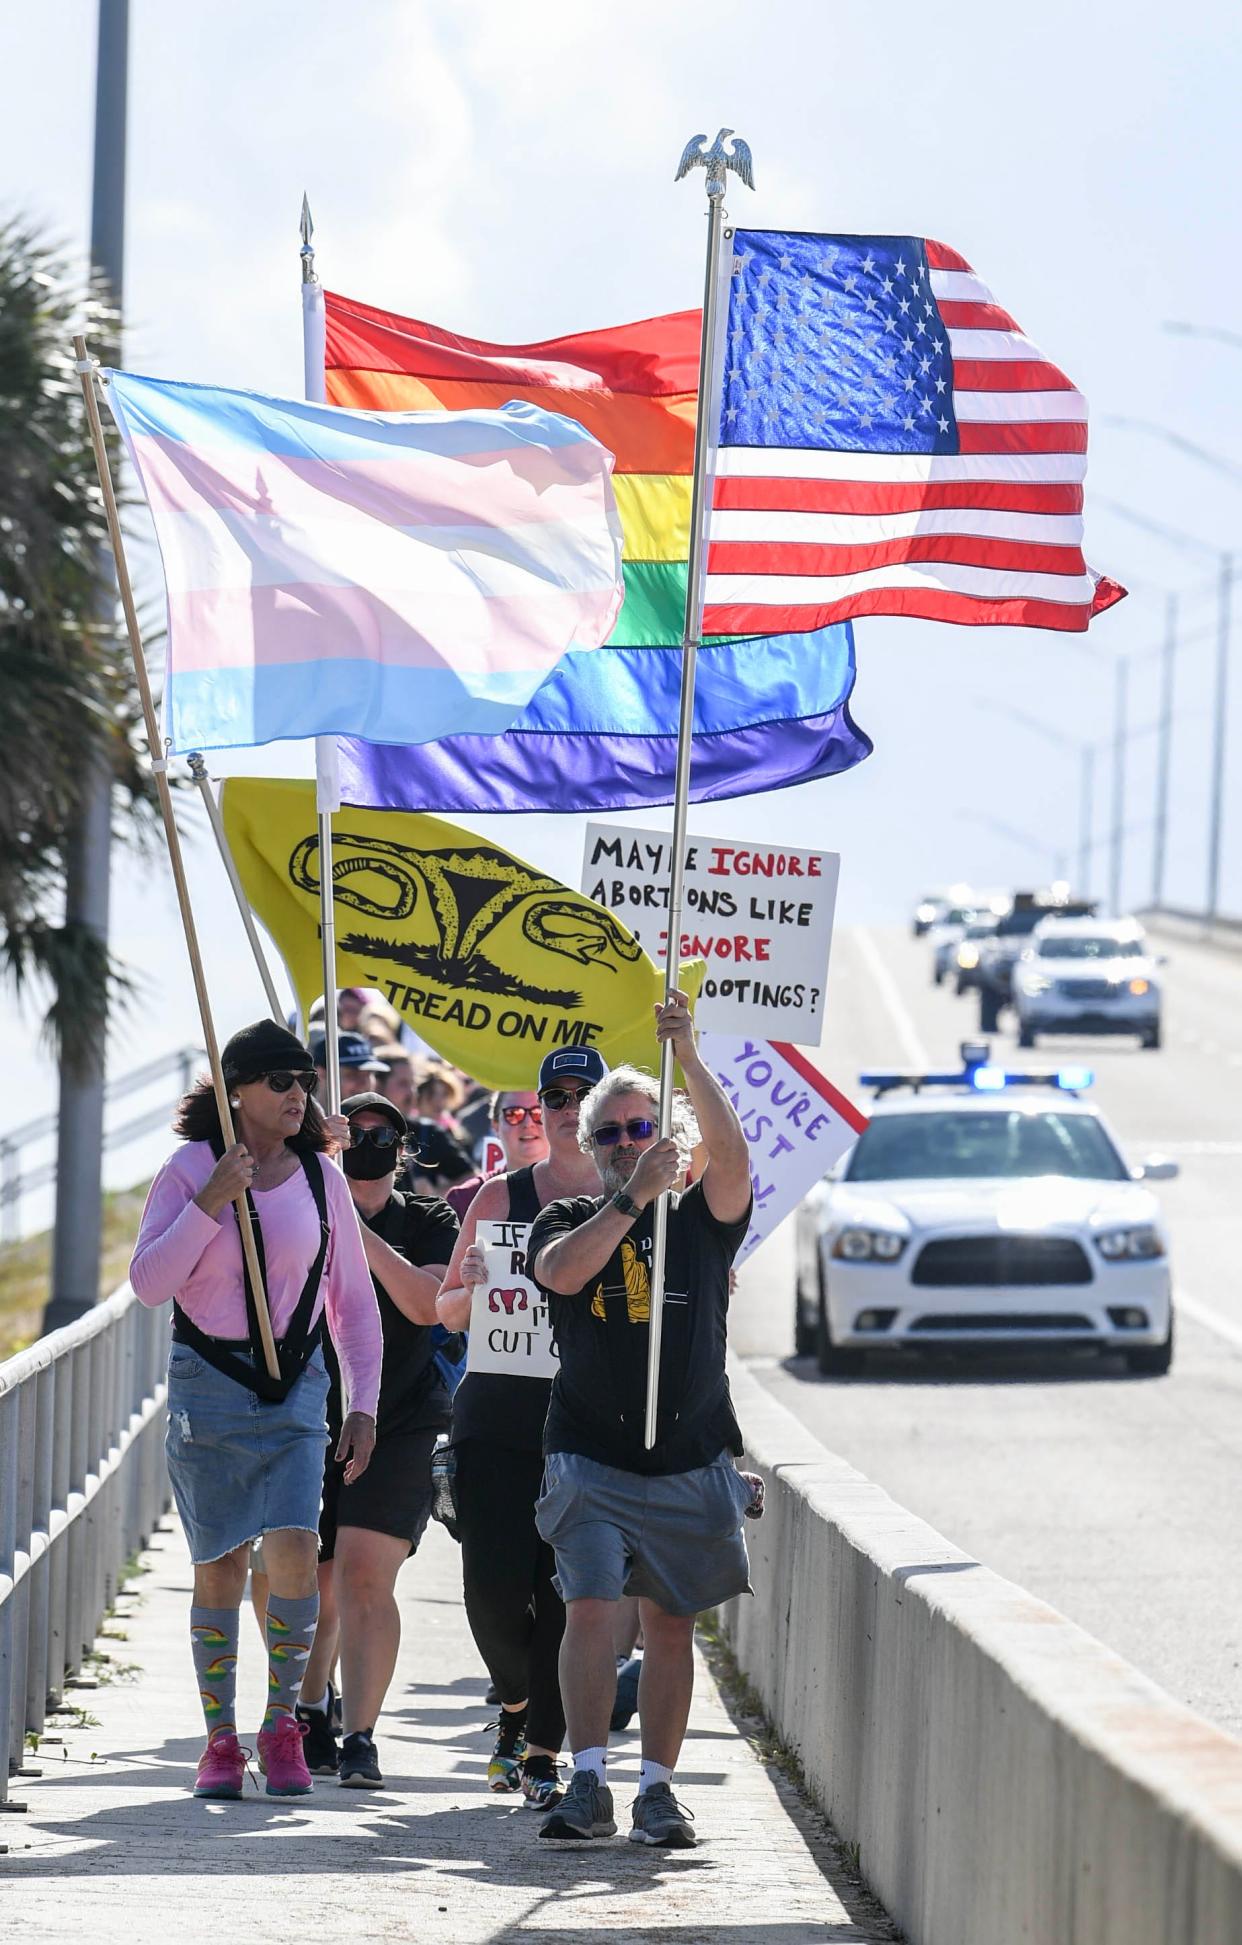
x=245, y=1452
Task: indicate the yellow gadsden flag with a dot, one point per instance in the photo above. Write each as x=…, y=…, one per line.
x=490, y=960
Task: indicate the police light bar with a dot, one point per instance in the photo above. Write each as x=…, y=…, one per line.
x=977, y=1072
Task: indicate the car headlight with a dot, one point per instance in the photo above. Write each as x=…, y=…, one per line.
x=1143, y=1241
x=968, y=957
x=1035, y=983
x=1140, y=986
x=858, y=1245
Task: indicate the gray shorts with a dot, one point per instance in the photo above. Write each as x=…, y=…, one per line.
x=675, y=1538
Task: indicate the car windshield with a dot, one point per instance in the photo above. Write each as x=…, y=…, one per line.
x=1090, y=948
x=956, y=915
x=957, y=1144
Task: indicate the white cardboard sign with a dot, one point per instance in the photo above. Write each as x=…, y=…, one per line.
x=510, y=1332
x=797, y=1123
x=759, y=914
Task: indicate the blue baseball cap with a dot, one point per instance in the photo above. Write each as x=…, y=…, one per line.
x=571, y=1064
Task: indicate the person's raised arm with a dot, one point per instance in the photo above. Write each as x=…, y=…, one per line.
x=466, y=1265
x=726, y=1178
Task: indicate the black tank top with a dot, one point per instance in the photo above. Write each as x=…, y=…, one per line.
x=486, y=1405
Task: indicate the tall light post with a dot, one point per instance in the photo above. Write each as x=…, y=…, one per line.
x=1168, y=658
x=79, y=1131
x=1121, y=673
x=1191, y=543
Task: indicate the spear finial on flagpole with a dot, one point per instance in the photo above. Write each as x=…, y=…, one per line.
x=727, y=154
x=307, y=252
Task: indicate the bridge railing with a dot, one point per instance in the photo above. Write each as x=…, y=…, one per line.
x=82, y=1484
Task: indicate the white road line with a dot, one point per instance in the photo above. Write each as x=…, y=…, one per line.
x=1202, y=1313
x=886, y=986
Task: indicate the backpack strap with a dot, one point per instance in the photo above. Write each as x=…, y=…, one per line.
x=297, y=1346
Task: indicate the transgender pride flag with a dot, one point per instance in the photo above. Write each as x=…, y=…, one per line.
x=393, y=576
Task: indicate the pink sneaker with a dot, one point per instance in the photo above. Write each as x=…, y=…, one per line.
x=284, y=1765
x=221, y=1768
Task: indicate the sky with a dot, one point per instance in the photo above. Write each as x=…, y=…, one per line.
x=508, y=171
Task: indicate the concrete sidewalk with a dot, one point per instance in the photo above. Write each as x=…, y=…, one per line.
x=114, y=1848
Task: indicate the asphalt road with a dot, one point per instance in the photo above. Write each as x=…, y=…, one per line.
x=1114, y=1498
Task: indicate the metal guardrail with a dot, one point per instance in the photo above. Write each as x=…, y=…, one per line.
x=15, y=1182
x=82, y=1484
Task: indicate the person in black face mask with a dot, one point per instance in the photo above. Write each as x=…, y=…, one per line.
x=369, y=1534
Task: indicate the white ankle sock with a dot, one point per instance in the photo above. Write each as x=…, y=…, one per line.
x=596, y=1759
x=321, y=1706
x=649, y=1773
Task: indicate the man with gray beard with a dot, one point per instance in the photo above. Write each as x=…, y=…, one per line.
x=665, y=1524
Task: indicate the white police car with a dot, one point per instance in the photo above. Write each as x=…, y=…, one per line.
x=984, y=1208
x=1086, y=975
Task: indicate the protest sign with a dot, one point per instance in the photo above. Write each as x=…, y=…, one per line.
x=509, y=1328
x=759, y=914
x=493, y=1156
x=797, y=1123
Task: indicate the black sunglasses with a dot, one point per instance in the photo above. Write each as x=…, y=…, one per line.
x=563, y=1097
x=374, y=1137
x=304, y=1077
x=515, y=1116
x=611, y=1132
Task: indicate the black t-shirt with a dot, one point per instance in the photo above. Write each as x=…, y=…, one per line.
x=599, y=1395
x=490, y=1405
x=413, y=1395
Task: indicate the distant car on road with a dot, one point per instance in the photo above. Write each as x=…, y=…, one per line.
x=1088, y=976
x=999, y=954
x=965, y=960
x=983, y=1207
x=926, y=912
x=944, y=937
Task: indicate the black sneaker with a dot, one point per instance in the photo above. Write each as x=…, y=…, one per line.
x=585, y=1812
x=360, y=1768
x=504, y=1764
x=542, y=1788
x=319, y=1747
x=336, y=1710
x=660, y=1819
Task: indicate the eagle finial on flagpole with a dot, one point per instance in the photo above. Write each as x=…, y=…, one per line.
x=717, y=160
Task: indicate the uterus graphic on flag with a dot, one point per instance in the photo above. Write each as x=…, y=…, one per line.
x=396, y=577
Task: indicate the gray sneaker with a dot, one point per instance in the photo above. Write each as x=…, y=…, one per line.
x=660, y=1819
x=586, y=1810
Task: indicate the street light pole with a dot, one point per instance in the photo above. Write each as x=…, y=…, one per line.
x=79, y=1131
x=1220, y=712
x=1117, y=841
x=1086, y=817
x=1164, y=753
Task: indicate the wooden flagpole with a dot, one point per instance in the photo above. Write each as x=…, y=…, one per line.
x=86, y=369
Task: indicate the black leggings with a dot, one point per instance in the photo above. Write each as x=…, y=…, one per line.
x=516, y=1616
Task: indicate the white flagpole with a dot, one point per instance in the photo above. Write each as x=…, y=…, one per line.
x=717, y=161
x=327, y=767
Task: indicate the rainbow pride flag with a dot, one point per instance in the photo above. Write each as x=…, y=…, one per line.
x=633, y=386
x=392, y=577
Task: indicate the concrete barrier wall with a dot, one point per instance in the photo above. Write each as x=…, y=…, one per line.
x=1005, y=1776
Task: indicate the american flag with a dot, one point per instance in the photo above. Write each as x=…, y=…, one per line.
x=890, y=443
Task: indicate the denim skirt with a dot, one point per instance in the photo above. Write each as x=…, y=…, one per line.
x=240, y=1467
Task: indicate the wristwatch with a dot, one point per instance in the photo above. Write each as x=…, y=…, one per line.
x=626, y=1204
